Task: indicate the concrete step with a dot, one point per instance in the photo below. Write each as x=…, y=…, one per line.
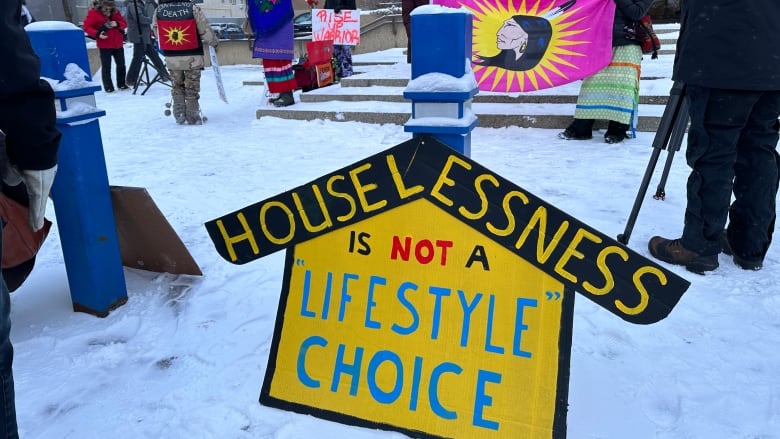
x=382, y=93
x=491, y=115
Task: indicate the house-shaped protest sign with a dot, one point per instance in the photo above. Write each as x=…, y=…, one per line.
x=425, y=294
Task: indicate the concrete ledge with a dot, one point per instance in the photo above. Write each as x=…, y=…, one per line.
x=550, y=116
x=645, y=123
x=396, y=95
x=387, y=32
x=234, y=52
x=229, y=52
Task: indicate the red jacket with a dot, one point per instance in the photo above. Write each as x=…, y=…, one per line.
x=95, y=20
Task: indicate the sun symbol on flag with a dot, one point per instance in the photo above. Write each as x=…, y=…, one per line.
x=517, y=46
x=178, y=35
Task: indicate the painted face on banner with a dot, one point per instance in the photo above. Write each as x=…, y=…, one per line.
x=565, y=40
x=511, y=36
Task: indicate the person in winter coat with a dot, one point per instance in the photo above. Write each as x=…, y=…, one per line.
x=139, y=32
x=28, y=123
x=181, y=29
x=619, y=82
x=728, y=58
x=273, y=43
x=343, y=53
x=106, y=25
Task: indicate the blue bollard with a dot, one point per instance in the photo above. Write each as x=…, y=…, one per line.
x=81, y=194
x=58, y=44
x=442, y=85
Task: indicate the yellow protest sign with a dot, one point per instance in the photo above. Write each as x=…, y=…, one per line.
x=413, y=319
x=425, y=294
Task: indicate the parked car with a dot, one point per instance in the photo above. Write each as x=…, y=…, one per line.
x=302, y=25
x=217, y=29
x=228, y=31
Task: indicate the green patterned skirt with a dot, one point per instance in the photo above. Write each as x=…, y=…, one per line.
x=613, y=92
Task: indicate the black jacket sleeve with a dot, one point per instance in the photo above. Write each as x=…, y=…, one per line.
x=626, y=13
x=338, y=5
x=27, y=113
x=633, y=9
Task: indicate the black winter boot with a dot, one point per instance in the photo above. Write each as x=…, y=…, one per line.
x=285, y=100
x=743, y=263
x=616, y=132
x=580, y=129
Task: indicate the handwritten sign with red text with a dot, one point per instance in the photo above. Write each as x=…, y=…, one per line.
x=343, y=28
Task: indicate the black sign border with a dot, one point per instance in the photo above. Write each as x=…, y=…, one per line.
x=420, y=160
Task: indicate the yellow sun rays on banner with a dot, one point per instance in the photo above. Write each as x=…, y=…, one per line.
x=488, y=19
x=178, y=35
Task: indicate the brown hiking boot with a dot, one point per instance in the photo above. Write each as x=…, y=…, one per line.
x=673, y=252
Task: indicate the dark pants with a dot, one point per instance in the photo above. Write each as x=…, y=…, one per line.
x=732, y=143
x=139, y=51
x=105, y=60
x=343, y=55
x=407, y=6
x=8, y=429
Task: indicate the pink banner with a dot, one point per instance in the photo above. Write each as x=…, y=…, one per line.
x=527, y=45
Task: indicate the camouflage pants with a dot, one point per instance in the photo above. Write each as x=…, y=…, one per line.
x=185, y=91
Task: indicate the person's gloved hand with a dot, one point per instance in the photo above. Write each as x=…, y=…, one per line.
x=38, y=183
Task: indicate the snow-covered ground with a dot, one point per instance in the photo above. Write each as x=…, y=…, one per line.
x=185, y=358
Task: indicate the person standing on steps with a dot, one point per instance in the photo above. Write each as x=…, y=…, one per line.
x=272, y=25
x=139, y=32
x=734, y=103
x=182, y=28
x=342, y=52
x=613, y=92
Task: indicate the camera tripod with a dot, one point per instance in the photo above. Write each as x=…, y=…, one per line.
x=669, y=136
x=144, y=77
